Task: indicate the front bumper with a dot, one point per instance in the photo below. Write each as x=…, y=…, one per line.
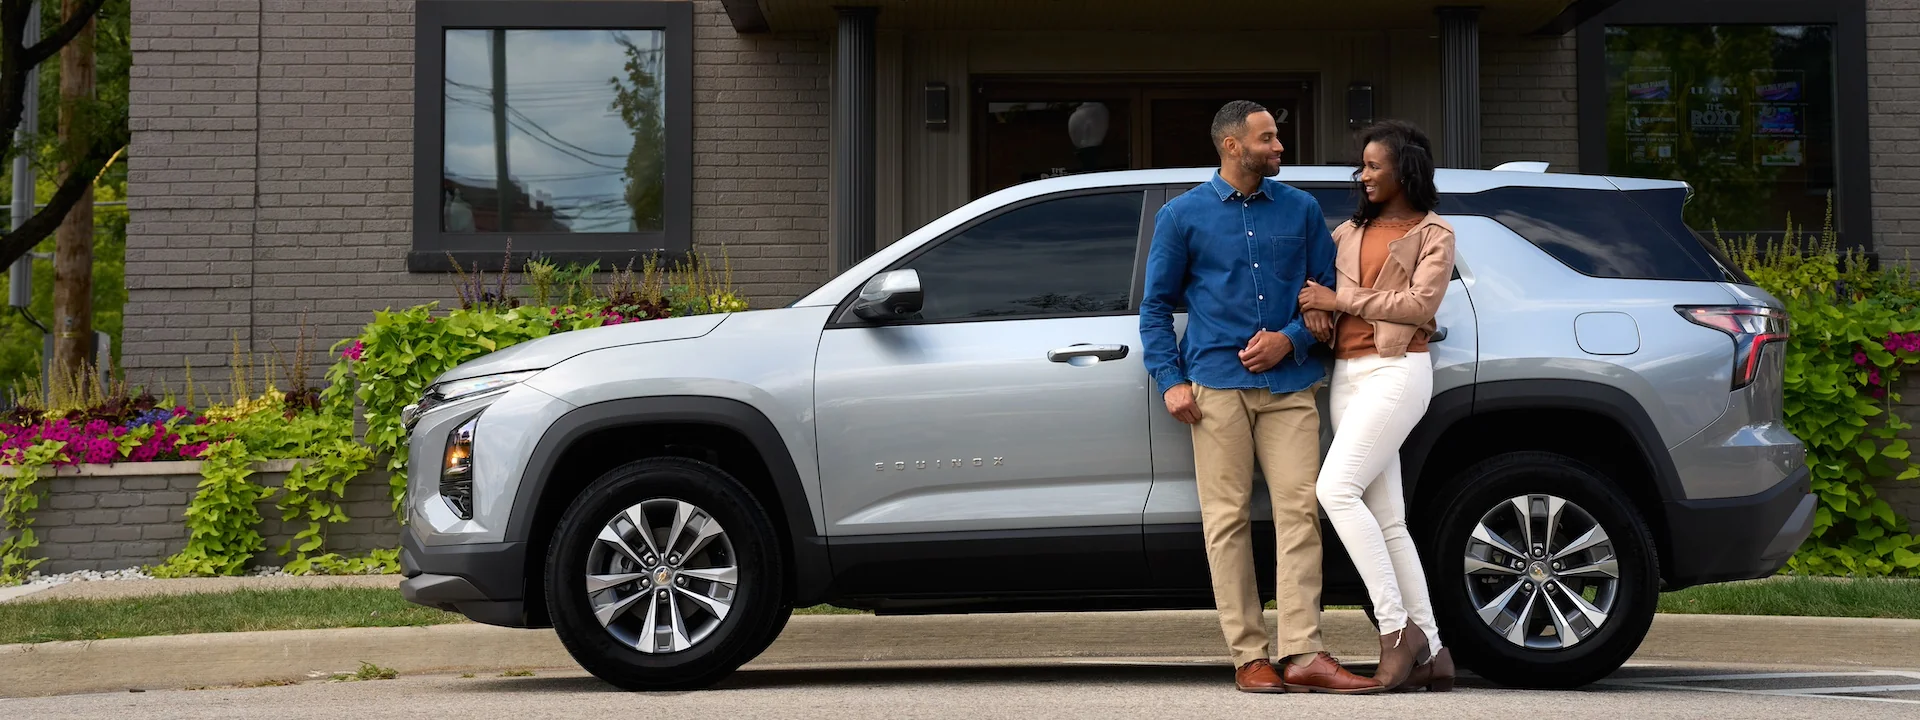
x=484, y=581
x=1741, y=538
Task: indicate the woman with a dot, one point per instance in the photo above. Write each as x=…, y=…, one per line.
x=1395, y=259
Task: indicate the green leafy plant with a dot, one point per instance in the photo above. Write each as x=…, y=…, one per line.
x=390, y=364
x=19, y=496
x=1855, y=330
x=222, y=519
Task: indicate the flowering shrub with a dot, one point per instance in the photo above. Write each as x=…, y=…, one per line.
x=389, y=365
x=1855, y=332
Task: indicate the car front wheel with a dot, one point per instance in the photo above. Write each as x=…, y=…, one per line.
x=665, y=574
x=1543, y=573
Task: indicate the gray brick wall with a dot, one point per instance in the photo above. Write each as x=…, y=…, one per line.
x=1528, y=100
x=191, y=175
x=1893, y=98
x=272, y=172
x=116, y=522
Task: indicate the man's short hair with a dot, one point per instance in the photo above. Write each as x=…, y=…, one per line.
x=1232, y=119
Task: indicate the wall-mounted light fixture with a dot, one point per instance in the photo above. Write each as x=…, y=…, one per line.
x=1359, y=104
x=936, y=95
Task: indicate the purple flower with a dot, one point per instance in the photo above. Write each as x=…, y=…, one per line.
x=1860, y=358
x=1873, y=376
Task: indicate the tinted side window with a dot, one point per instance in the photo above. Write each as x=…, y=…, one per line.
x=1336, y=203
x=1057, y=257
x=1667, y=208
x=1600, y=233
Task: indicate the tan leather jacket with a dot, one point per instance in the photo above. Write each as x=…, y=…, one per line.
x=1407, y=294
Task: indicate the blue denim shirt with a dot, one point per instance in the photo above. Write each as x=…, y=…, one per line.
x=1238, y=262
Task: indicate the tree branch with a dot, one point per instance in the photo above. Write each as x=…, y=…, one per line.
x=17, y=243
x=69, y=29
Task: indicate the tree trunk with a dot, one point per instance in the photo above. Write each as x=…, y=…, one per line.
x=73, y=253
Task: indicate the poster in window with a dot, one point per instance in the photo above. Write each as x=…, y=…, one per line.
x=1716, y=121
x=1778, y=152
x=1651, y=122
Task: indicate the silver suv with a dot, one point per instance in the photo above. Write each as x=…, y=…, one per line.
x=962, y=423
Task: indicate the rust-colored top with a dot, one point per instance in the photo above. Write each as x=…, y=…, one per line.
x=1353, y=335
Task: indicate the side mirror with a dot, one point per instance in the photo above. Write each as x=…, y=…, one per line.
x=889, y=296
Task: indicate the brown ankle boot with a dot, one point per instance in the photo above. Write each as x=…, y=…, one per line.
x=1436, y=675
x=1324, y=675
x=1400, y=652
x=1258, y=676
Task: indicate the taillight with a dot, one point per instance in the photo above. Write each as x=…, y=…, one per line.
x=1751, y=328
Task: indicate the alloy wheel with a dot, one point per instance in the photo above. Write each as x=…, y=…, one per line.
x=662, y=575
x=1541, y=572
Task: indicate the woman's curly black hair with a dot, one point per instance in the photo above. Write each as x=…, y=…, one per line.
x=1412, y=161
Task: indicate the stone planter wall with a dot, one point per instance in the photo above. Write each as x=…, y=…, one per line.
x=109, y=517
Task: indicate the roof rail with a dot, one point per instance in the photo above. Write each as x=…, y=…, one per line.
x=1522, y=166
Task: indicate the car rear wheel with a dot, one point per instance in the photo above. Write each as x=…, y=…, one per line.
x=665, y=574
x=1543, y=573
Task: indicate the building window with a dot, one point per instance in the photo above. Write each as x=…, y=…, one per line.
x=1745, y=113
x=562, y=128
x=1759, y=105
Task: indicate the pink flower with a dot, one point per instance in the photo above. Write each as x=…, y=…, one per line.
x=1873, y=376
x=1860, y=358
x=355, y=351
x=1877, y=393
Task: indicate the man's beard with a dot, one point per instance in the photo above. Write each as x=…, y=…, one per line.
x=1257, y=166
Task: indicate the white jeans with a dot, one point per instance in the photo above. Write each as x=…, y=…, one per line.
x=1376, y=402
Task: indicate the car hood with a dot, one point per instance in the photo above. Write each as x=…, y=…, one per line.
x=548, y=351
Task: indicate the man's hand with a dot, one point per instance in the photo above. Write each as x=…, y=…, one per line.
x=1180, y=403
x=1266, y=350
x=1317, y=297
x=1320, y=323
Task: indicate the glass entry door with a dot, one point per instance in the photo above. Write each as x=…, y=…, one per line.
x=1028, y=129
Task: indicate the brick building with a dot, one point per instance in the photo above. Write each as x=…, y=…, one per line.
x=325, y=157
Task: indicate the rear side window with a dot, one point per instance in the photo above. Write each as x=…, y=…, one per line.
x=1666, y=208
x=1065, y=256
x=1600, y=233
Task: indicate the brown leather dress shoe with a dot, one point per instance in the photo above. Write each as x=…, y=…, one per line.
x=1258, y=677
x=1325, y=675
x=1436, y=675
x=1400, y=652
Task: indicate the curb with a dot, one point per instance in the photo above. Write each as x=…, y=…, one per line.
x=173, y=662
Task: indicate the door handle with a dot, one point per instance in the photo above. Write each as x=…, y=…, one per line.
x=1439, y=334
x=1097, y=352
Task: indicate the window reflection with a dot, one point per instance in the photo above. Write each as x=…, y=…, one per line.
x=1745, y=113
x=553, y=131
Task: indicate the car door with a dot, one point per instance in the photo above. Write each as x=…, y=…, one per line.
x=1171, y=523
x=997, y=442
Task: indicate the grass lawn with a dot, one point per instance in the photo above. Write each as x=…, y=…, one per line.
x=31, y=622
x=44, y=621
x=1800, y=596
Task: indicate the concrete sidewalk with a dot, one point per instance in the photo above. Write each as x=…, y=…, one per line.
x=174, y=662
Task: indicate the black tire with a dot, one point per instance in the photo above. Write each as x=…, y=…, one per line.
x=1476, y=645
x=756, y=611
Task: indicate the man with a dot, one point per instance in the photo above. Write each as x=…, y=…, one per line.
x=1236, y=251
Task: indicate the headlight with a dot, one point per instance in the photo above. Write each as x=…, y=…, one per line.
x=450, y=391
x=456, y=389
x=456, y=469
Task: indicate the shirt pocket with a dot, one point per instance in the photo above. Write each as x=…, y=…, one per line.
x=1284, y=254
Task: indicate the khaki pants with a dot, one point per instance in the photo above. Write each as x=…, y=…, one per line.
x=1284, y=432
